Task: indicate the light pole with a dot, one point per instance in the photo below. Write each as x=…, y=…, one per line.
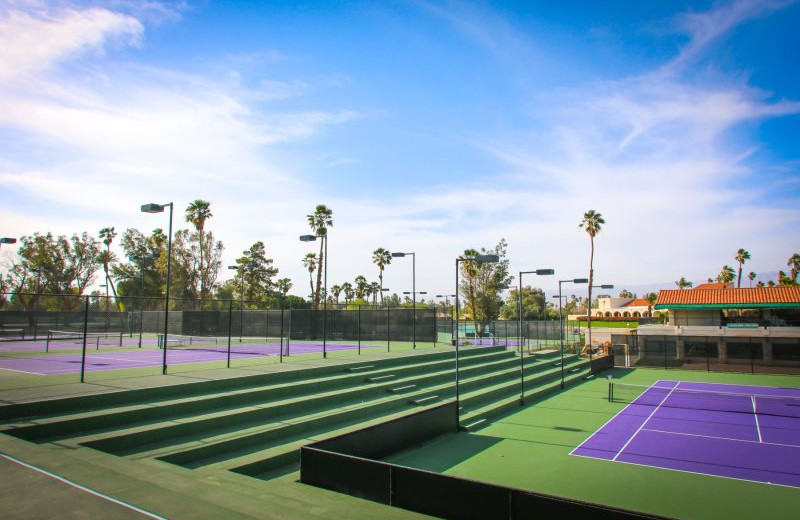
x=159, y=208
x=480, y=259
x=538, y=272
x=312, y=238
x=414, y=315
x=413, y=289
x=560, y=317
x=589, y=323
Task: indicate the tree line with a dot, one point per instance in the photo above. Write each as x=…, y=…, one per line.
x=728, y=274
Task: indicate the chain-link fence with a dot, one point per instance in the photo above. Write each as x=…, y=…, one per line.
x=97, y=332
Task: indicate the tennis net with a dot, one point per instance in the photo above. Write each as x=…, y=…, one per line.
x=709, y=400
x=96, y=339
x=246, y=346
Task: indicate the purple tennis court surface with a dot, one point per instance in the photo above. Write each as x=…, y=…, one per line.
x=742, y=432
x=108, y=359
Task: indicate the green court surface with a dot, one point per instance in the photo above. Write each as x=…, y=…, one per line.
x=529, y=449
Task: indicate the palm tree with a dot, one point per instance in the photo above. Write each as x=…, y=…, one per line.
x=794, y=264
x=683, y=283
x=651, y=300
x=760, y=284
x=751, y=276
x=592, y=222
x=336, y=290
x=347, y=289
x=310, y=263
x=106, y=257
x=284, y=285
x=374, y=288
x=197, y=213
x=319, y=222
x=361, y=286
x=726, y=275
x=381, y=257
x=742, y=256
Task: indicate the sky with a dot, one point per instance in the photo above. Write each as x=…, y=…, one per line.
x=427, y=127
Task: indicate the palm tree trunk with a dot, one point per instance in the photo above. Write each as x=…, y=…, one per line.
x=380, y=277
x=591, y=281
x=321, y=265
x=739, y=278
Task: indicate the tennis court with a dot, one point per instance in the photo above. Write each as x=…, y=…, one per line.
x=736, y=431
x=120, y=352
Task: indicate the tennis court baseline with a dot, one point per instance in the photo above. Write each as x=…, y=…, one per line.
x=736, y=431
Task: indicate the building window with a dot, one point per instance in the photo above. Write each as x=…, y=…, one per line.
x=745, y=350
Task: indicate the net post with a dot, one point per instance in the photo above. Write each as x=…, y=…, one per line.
x=85, y=331
x=610, y=389
x=230, y=323
x=280, y=347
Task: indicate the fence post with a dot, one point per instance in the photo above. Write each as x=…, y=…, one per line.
x=388, y=336
x=85, y=332
x=230, y=326
x=358, y=332
x=280, y=348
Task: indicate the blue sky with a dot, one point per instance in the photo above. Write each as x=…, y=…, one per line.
x=426, y=126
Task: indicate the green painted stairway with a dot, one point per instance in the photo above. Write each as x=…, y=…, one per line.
x=255, y=425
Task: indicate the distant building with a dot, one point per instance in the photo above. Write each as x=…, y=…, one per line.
x=715, y=324
x=621, y=308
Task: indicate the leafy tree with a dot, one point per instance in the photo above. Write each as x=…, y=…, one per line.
x=310, y=263
x=320, y=221
x=533, y=304
x=625, y=293
x=592, y=222
x=54, y=265
x=482, y=283
x=187, y=278
x=148, y=258
x=784, y=279
x=197, y=213
x=742, y=256
x=381, y=257
x=683, y=283
x=256, y=271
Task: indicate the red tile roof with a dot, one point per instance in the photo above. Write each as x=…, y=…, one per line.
x=713, y=285
x=638, y=302
x=757, y=296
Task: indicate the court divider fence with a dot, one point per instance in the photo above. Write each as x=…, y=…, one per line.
x=351, y=464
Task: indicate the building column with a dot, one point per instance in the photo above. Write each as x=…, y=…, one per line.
x=680, y=349
x=767, y=349
x=722, y=348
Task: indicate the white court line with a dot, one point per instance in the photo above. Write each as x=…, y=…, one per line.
x=645, y=422
x=83, y=488
x=755, y=415
x=696, y=473
x=24, y=371
x=88, y=357
x=722, y=438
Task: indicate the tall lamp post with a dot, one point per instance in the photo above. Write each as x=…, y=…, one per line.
x=538, y=272
x=480, y=259
x=312, y=238
x=414, y=321
x=413, y=288
x=561, y=326
x=602, y=286
x=159, y=208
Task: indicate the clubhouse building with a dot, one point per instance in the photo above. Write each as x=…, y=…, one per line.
x=721, y=326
